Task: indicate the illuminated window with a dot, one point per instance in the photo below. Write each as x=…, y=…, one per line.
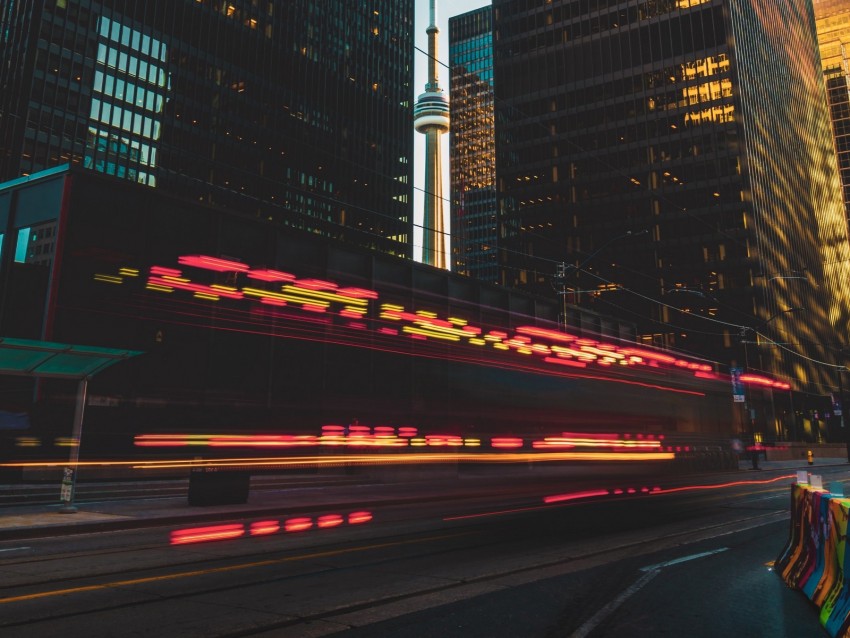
x=22, y=245
x=120, y=134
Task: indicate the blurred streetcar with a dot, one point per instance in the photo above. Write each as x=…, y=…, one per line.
x=251, y=330
x=275, y=363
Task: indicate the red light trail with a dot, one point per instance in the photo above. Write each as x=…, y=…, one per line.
x=553, y=349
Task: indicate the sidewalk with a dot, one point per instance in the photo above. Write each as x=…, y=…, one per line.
x=32, y=521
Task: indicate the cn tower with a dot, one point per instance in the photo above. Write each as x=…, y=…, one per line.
x=431, y=117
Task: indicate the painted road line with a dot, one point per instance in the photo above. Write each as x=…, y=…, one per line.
x=683, y=559
x=650, y=572
x=611, y=607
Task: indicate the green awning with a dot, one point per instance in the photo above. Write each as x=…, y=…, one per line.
x=30, y=358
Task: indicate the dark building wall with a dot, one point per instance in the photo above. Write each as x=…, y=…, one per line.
x=703, y=124
x=597, y=137
x=297, y=112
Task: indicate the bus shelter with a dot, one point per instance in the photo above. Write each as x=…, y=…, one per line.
x=46, y=359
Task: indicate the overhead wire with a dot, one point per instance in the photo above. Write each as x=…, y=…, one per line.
x=661, y=196
x=538, y=273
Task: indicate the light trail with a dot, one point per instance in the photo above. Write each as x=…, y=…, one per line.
x=428, y=458
x=689, y=488
x=316, y=295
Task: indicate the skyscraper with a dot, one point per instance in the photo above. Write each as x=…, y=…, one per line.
x=473, y=146
x=298, y=113
x=678, y=155
x=432, y=119
x=833, y=24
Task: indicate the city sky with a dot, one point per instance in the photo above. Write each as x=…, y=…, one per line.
x=445, y=10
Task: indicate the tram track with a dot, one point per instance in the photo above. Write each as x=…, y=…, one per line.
x=455, y=540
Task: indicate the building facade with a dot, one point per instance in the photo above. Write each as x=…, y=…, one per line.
x=473, y=146
x=833, y=24
x=673, y=161
x=298, y=113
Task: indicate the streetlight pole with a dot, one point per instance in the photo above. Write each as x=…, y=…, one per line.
x=561, y=273
x=561, y=276
x=750, y=409
x=841, y=410
x=841, y=369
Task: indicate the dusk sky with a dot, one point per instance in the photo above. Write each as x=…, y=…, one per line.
x=445, y=10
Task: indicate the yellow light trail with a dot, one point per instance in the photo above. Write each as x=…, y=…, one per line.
x=371, y=459
x=259, y=292
x=429, y=333
x=323, y=295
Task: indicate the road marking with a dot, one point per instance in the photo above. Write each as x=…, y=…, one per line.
x=218, y=570
x=608, y=609
x=650, y=572
x=683, y=559
x=14, y=549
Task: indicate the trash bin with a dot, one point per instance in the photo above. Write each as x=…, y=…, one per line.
x=216, y=486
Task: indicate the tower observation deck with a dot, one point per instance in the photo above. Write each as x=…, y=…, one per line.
x=431, y=118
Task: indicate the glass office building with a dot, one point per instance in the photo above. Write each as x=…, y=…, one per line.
x=298, y=113
x=473, y=146
x=679, y=155
x=833, y=25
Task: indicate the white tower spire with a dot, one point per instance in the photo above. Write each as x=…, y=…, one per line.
x=431, y=117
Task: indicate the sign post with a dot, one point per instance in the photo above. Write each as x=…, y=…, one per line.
x=70, y=475
x=737, y=385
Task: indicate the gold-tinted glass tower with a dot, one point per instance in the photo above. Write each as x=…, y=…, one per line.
x=833, y=25
x=472, y=148
x=431, y=117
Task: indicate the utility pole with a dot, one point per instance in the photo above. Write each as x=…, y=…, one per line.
x=561, y=278
x=751, y=404
x=841, y=410
x=561, y=271
x=841, y=368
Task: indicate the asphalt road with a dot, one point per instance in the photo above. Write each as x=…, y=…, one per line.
x=686, y=563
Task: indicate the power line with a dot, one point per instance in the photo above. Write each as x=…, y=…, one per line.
x=594, y=157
